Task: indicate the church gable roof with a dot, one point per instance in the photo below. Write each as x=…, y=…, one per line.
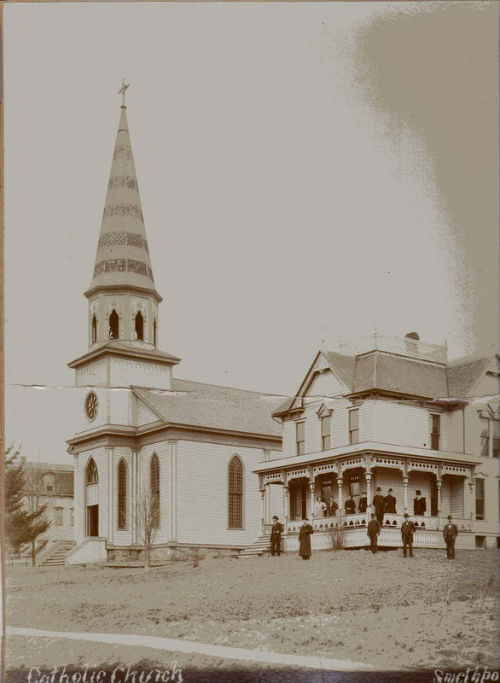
x=215, y=407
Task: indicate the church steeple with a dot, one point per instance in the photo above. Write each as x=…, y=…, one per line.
x=122, y=258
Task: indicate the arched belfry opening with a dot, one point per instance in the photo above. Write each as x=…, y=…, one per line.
x=114, y=325
x=139, y=326
x=94, y=329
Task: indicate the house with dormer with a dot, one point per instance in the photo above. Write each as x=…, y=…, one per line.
x=389, y=413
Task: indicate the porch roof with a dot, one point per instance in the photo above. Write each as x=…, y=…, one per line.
x=293, y=462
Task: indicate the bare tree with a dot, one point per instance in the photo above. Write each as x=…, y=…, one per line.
x=147, y=521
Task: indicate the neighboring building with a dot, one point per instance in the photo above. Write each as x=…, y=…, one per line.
x=392, y=413
x=145, y=435
x=51, y=485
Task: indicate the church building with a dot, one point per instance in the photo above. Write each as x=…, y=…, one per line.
x=184, y=448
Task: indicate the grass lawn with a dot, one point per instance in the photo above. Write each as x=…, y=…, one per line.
x=384, y=610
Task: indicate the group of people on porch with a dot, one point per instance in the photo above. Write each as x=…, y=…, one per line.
x=381, y=505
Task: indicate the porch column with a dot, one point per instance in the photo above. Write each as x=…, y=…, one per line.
x=310, y=501
x=405, y=493
x=263, y=500
x=368, y=477
x=439, y=483
x=339, y=484
x=285, y=505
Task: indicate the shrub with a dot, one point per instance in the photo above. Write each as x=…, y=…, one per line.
x=337, y=538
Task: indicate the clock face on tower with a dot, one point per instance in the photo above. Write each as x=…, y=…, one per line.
x=91, y=405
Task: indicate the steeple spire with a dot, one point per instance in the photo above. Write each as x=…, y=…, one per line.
x=122, y=259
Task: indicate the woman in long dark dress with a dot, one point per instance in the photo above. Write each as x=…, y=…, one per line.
x=305, y=540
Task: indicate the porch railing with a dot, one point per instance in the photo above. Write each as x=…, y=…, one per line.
x=391, y=521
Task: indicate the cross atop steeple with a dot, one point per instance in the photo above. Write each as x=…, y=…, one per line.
x=123, y=90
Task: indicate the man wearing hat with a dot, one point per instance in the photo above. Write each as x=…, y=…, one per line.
x=390, y=502
x=276, y=531
x=373, y=531
x=450, y=532
x=419, y=504
x=407, y=529
x=379, y=505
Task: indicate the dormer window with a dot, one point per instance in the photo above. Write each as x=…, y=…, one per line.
x=114, y=325
x=48, y=483
x=139, y=326
x=94, y=329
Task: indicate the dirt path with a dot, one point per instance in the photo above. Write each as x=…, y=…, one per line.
x=192, y=647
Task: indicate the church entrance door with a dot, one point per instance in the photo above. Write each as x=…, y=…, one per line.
x=92, y=520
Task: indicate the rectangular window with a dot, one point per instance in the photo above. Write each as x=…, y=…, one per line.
x=435, y=431
x=354, y=426
x=58, y=516
x=300, y=437
x=496, y=438
x=479, y=498
x=326, y=440
x=485, y=437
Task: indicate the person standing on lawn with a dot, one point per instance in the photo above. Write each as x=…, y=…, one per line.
x=276, y=531
x=305, y=540
x=407, y=530
x=390, y=502
x=379, y=506
x=373, y=532
x=450, y=532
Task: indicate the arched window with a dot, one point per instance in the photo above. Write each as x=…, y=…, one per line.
x=122, y=494
x=91, y=476
x=155, y=490
x=235, y=497
x=154, y=332
x=94, y=329
x=139, y=326
x=114, y=325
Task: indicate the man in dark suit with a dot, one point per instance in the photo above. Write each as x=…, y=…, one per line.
x=450, y=532
x=363, y=503
x=407, y=529
x=350, y=506
x=276, y=532
x=390, y=502
x=419, y=505
x=379, y=506
x=373, y=531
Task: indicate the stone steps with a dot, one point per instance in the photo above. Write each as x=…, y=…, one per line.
x=261, y=546
x=58, y=556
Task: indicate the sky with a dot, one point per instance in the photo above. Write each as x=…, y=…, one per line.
x=307, y=171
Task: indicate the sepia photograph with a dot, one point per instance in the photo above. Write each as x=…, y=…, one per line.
x=251, y=320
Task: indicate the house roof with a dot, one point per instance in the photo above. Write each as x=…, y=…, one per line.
x=379, y=370
x=343, y=365
x=463, y=374
x=63, y=476
x=393, y=373
x=212, y=406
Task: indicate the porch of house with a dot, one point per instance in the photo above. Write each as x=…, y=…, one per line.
x=448, y=488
